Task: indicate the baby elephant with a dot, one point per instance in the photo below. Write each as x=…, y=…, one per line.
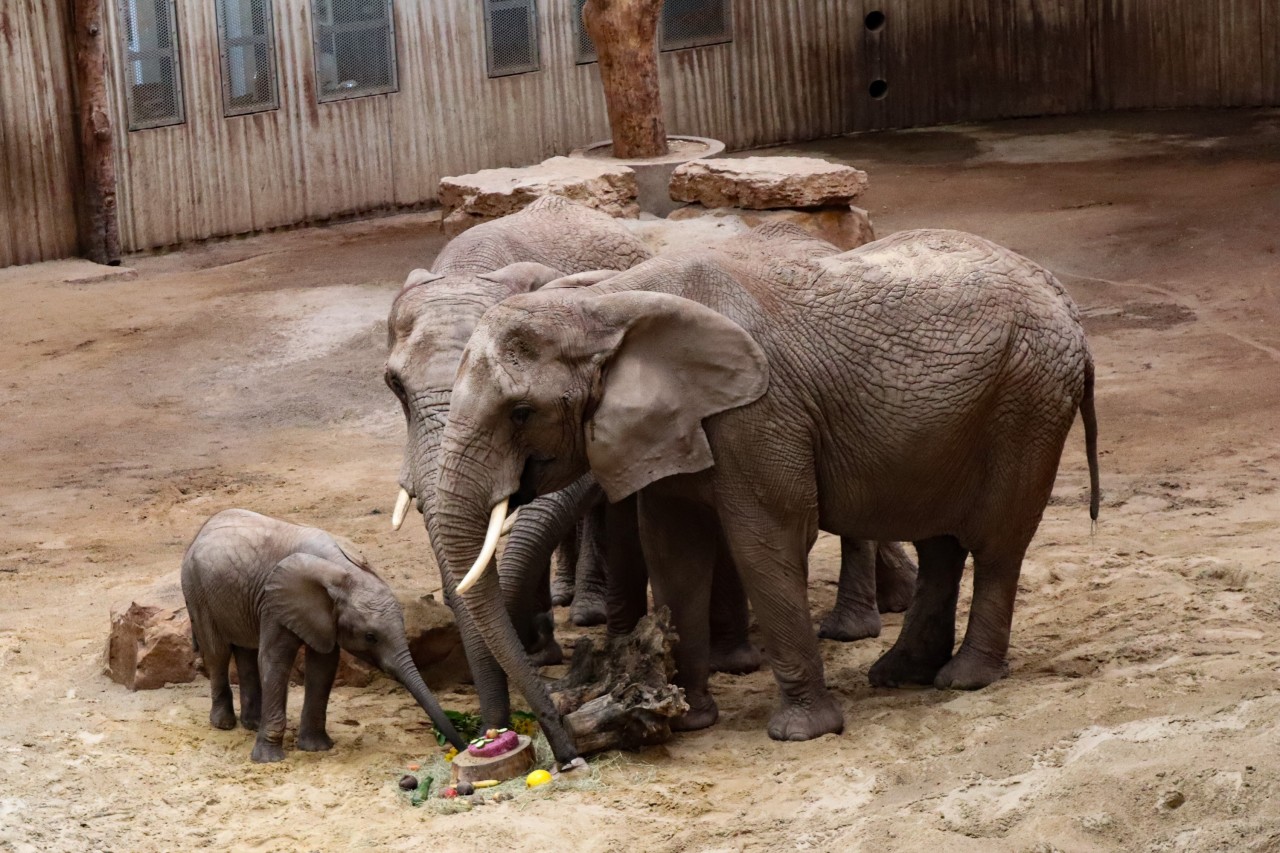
x=258, y=588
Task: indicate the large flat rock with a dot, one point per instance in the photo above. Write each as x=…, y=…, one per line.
x=767, y=183
x=488, y=194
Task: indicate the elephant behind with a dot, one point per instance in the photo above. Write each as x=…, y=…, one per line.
x=919, y=388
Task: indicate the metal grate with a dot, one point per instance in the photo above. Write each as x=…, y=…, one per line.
x=511, y=30
x=152, y=74
x=586, y=47
x=247, y=42
x=355, y=48
x=693, y=23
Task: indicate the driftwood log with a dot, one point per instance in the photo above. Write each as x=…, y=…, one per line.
x=620, y=696
x=99, y=226
x=625, y=33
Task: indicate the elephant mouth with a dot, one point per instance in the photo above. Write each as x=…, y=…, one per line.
x=533, y=481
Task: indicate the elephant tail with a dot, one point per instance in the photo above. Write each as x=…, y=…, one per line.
x=1090, y=418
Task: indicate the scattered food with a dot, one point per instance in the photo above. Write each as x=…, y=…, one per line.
x=487, y=783
x=415, y=767
x=449, y=793
x=466, y=788
x=408, y=782
x=536, y=778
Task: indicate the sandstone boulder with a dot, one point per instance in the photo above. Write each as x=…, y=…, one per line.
x=845, y=226
x=767, y=183
x=488, y=194
x=150, y=641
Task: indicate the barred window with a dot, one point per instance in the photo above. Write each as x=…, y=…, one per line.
x=152, y=73
x=586, y=47
x=511, y=30
x=355, y=48
x=247, y=43
x=693, y=23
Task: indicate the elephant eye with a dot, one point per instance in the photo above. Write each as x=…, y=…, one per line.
x=521, y=414
x=370, y=637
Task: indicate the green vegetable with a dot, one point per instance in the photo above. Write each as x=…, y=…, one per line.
x=422, y=792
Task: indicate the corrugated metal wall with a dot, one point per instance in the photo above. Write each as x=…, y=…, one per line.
x=797, y=69
x=38, y=162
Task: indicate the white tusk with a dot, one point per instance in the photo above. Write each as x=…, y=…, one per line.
x=510, y=522
x=402, y=507
x=496, y=518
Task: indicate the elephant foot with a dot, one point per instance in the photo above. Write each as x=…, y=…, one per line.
x=266, y=752
x=901, y=668
x=222, y=717
x=250, y=723
x=818, y=715
x=588, y=610
x=846, y=626
x=702, y=714
x=549, y=655
x=970, y=671
x=561, y=592
x=738, y=660
x=314, y=742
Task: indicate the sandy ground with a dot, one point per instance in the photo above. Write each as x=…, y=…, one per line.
x=1141, y=710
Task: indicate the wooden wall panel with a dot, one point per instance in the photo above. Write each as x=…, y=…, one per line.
x=39, y=164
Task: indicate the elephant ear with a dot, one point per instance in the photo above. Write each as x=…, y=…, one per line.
x=672, y=363
x=523, y=277
x=302, y=593
x=420, y=276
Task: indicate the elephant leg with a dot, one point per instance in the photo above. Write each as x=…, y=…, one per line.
x=680, y=547
x=277, y=649
x=589, y=584
x=929, y=629
x=566, y=568
x=320, y=673
x=546, y=651
x=217, y=657
x=982, y=657
x=773, y=555
x=627, y=578
x=855, y=615
x=731, y=649
x=250, y=687
x=895, y=577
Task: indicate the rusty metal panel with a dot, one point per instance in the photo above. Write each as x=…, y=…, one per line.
x=39, y=166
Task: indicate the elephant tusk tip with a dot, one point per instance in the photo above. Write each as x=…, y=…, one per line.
x=402, y=508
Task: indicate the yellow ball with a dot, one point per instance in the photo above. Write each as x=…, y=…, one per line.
x=537, y=777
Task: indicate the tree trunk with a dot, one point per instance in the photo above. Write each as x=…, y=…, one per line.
x=625, y=33
x=99, y=227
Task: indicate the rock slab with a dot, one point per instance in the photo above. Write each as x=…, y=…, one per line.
x=843, y=226
x=488, y=194
x=767, y=183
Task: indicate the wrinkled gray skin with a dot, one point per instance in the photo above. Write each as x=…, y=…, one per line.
x=918, y=388
x=257, y=588
x=430, y=323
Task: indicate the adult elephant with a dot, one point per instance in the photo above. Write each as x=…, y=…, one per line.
x=430, y=321
x=918, y=388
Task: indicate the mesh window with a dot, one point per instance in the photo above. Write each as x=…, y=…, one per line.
x=245, y=37
x=692, y=23
x=152, y=76
x=586, y=47
x=511, y=30
x=355, y=47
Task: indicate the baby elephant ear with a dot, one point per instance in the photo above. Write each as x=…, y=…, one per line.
x=302, y=593
x=420, y=276
x=582, y=279
x=523, y=277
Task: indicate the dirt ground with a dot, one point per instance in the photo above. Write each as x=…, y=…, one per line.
x=1141, y=710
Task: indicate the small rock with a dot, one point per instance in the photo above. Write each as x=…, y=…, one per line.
x=767, y=183
x=408, y=783
x=149, y=645
x=1171, y=800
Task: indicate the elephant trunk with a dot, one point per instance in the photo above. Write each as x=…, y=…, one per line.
x=490, y=680
x=402, y=667
x=460, y=533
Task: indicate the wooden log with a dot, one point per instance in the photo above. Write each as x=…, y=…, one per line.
x=625, y=33
x=98, y=219
x=620, y=696
x=471, y=768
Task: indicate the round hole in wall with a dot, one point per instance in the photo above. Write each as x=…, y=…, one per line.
x=875, y=20
x=878, y=89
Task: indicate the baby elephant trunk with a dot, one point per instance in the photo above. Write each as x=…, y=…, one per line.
x=404, y=670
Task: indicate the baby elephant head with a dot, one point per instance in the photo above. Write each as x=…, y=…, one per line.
x=328, y=604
